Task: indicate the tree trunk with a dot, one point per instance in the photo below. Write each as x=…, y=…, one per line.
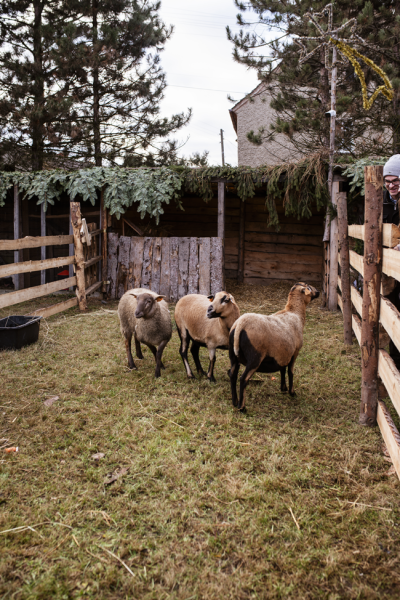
x=38, y=90
x=96, y=88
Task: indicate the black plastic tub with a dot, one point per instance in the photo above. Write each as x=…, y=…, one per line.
x=18, y=331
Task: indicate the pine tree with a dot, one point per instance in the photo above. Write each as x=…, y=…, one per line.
x=301, y=94
x=119, y=103
x=38, y=67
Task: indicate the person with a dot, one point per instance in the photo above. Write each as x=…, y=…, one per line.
x=391, y=198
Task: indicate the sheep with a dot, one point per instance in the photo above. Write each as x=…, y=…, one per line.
x=207, y=325
x=145, y=315
x=269, y=343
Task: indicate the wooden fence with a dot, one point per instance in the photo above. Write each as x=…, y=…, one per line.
x=173, y=266
x=84, y=261
x=375, y=319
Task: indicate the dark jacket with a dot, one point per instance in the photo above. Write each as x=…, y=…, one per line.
x=390, y=210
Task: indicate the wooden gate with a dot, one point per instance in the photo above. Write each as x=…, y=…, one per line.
x=173, y=266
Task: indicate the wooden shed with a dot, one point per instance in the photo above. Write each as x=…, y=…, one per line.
x=251, y=251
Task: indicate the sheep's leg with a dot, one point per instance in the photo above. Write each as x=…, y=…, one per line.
x=131, y=364
x=154, y=351
x=210, y=374
x=138, y=349
x=159, y=364
x=244, y=380
x=185, y=339
x=194, y=350
x=283, y=380
x=234, y=370
x=290, y=373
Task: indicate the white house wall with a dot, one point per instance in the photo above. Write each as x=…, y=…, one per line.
x=252, y=116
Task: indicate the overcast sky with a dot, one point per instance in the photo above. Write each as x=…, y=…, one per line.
x=201, y=72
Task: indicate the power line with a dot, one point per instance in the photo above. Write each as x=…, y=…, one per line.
x=206, y=89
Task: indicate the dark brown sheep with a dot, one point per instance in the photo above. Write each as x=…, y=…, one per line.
x=269, y=343
x=206, y=321
x=145, y=315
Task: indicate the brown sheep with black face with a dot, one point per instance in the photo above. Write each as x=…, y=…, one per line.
x=269, y=343
x=206, y=321
x=145, y=316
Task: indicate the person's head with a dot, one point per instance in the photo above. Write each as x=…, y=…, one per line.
x=391, y=175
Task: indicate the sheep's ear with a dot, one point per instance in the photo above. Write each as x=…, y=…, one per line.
x=306, y=291
x=134, y=295
x=211, y=298
x=159, y=298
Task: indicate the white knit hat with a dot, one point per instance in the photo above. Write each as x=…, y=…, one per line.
x=392, y=167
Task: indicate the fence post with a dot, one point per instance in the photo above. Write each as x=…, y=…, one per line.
x=18, y=279
x=241, y=241
x=371, y=294
x=221, y=209
x=344, y=266
x=76, y=221
x=104, y=250
x=333, y=251
x=43, y=248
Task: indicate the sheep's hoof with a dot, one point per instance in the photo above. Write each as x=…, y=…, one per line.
x=201, y=373
x=162, y=366
x=157, y=375
x=139, y=356
x=293, y=394
x=284, y=391
x=243, y=410
x=191, y=376
x=132, y=367
x=212, y=379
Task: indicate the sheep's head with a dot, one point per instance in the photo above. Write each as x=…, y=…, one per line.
x=221, y=305
x=309, y=292
x=146, y=305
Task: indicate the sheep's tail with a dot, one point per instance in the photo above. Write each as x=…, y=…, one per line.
x=236, y=338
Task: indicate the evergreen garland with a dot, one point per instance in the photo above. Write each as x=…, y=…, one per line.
x=300, y=185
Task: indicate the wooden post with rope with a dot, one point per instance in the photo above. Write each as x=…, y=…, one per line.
x=76, y=221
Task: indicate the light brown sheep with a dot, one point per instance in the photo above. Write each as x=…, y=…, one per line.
x=269, y=343
x=206, y=321
x=145, y=315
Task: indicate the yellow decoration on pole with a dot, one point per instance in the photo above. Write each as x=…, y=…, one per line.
x=351, y=53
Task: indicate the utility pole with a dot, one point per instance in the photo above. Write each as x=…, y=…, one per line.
x=222, y=146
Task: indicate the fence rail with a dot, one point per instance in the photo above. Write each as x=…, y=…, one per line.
x=386, y=262
x=86, y=257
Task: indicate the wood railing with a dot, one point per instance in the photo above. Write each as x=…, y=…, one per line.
x=84, y=261
x=387, y=263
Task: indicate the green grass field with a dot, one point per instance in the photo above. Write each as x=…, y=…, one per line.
x=291, y=500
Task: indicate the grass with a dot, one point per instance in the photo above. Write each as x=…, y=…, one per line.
x=291, y=500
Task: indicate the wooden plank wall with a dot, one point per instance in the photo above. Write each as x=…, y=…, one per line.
x=294, y=253
x=172, y=267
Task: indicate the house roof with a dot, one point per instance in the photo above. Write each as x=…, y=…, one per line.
x=234, y=110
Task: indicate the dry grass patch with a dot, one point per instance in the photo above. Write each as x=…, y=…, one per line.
x=206, y=503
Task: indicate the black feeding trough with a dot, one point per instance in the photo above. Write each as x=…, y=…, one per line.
x=18, y=331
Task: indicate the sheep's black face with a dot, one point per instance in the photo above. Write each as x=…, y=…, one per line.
x=211, y=312
x=218, y=306
x=145, y=306
x=308, y=290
